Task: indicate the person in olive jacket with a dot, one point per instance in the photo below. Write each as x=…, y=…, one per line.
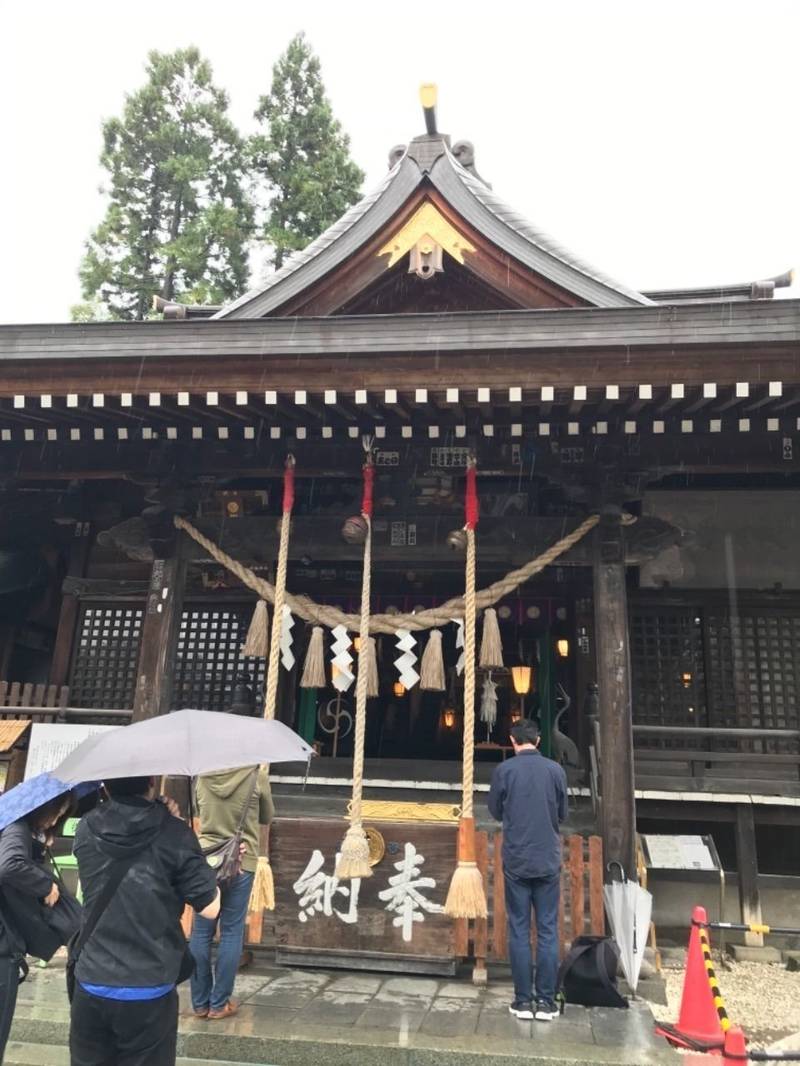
x=22, y=870
x=221, y=802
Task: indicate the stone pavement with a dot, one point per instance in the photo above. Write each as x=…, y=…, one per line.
x=300, y=1017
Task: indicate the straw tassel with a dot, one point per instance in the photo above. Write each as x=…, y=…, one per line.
x=256, y=642
x=262, y=896
x=466, y=897
x=368, y=660
x=432, y=666
x=491, y=645
x=314, y=668
x=354, y=856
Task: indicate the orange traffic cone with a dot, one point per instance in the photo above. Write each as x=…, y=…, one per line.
x=698, y=1027
x=735, y=1050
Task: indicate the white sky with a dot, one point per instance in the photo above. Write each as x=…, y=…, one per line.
x=658, y=141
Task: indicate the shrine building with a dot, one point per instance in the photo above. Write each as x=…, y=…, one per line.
x=433, y=324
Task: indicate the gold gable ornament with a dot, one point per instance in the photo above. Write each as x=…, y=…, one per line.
x=426, y=235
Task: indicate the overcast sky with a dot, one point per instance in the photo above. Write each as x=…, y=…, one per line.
x=659, y=141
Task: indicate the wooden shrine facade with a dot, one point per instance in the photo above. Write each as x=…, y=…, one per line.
x=438, y=324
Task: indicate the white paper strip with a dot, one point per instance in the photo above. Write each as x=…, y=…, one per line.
x=405, y=662
x=287, y=656
x=462, y=659
x=343, y=676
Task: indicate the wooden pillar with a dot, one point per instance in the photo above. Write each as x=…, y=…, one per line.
x=582, y=651
x=160, y=635
x=747, y=866
x=7, y=636
x=70, y=605
x=618, y=809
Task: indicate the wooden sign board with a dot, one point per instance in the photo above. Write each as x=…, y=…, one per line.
x=670, y=852
x=392, y=920
x=51, y=743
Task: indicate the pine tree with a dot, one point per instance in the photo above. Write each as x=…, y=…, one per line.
x=178, y=220
x=302, y=154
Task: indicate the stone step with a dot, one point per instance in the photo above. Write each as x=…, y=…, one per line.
x=51, y=1055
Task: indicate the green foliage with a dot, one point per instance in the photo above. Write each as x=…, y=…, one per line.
x=301, y=154
x=178, y=220
x=91, y=311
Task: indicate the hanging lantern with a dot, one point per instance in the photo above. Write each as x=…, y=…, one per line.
x=449, y=718
x=562, y=647
x=399, y=689
x=521, y=676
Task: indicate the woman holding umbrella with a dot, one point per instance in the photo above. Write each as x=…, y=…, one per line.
x=23, y=874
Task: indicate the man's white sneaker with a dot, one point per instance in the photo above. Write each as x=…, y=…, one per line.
x=546, y=1012
x=523, y=1011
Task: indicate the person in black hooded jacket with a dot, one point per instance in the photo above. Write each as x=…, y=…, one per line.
x=22, y=870
x=125, y=1007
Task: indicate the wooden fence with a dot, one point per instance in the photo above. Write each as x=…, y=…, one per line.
x=45, y=703
x=580, y=910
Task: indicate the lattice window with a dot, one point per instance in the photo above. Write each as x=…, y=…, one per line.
x=106, y=656
x=754, y=669
x=209, y=657
x=667, y=671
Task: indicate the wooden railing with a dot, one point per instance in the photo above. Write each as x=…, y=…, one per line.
x=700, y=758
x=50, y=703
x=26, y=700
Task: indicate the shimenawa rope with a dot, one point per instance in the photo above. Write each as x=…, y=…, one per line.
x=322, y=614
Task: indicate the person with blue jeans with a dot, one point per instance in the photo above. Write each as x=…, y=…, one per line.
x=221, y=802
x=529, y=796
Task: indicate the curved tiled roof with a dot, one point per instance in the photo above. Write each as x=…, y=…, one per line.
x=429, y=158
x=523, y=241
x=305, y=267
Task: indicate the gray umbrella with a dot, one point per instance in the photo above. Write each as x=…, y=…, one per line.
x=184, y=743
x=629, y=909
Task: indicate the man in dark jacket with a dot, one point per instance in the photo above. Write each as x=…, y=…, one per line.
x=529, y=795
x=125, y=1008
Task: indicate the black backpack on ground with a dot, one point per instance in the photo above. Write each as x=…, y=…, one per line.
x=588, y=974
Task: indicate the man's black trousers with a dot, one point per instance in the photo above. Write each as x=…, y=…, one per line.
x=110, y=1032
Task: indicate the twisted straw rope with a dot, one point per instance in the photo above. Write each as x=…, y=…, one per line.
x=271, y=697
x=325, y=615
x=361, y=684
x=468, y=770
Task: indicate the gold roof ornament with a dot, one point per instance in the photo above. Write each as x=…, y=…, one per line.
x=427, y=97
x=427, y=226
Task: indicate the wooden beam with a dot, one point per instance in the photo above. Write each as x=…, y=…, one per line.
x=618, y=810
x=159, y=635
x=747, y=866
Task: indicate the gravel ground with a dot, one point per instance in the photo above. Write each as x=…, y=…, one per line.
x=764, y=999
